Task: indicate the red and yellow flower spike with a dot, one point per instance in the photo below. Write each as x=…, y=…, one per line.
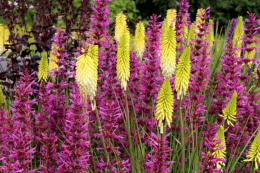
x=139, y=39
x=121, y=25
x=254, y=151
x=182, y=76
x=231, y=110
x=164, y=105
x=123, y=59
x=87, y=72
x=43, y=68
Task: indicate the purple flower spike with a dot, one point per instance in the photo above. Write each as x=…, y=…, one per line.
x=151, y=76
x=74, y=154
x=19, y=153
x=159, y=156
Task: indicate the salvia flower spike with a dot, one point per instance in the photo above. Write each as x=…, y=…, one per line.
x=43, y=68
x=182, y=76
x=168, y=55
x=87, y=72
x=220, y=147
x=121, y=25
x=238, y=35
x=164, y=105
x=123, y=59
x=254, y=151
x=231, y=110
x=139, y=39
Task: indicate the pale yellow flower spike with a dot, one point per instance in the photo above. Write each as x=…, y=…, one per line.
x=182, y=76
x=168, y=46
x=53, y=60
x=254, y=151
x=231, y=110
x=238, y=35
x=211, y=34
x=6, y=35
x=171, y=17
x=251, y=54
x=139, y=39
x=200, y=12
x=123, y=59
x=43, y=68
x=191, y=34
x=1, y=38
x=2, y=99
x=185, y=29
x=120, y=25
x=164, y=105
x=87, y=72
x=220, y=153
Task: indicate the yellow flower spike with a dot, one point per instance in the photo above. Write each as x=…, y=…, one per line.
x=182, y=76
x=53, y=60
x=6, y=35
x=123, y=59
x=251, y=54
x=164, y=105
x=1, y=38
x=185, y=29
x=191, y=34
x=231, y=110
x=2, y=99
x=254, y=151
x=168, y=54
x=43, y=68
x=220, y=153
x=120, y=25
x=139, y=39
x=200, y=12
x=87, y=72
x=238, y=35
x=211, y=33
x=171, y=17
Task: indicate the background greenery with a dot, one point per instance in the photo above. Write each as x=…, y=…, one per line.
x=222, y=10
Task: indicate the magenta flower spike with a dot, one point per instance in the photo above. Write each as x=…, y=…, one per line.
x=18, y=138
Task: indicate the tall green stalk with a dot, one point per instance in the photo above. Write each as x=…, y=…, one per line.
x=102, y=136
x=182, y=137
x=128, y=129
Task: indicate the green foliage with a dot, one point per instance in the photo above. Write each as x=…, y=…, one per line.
x=223, y=10
x=128, y=7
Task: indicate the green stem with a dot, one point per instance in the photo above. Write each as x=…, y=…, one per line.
x=102, y=135
x=182, y=137
x=128, y=129
x=92, y=161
